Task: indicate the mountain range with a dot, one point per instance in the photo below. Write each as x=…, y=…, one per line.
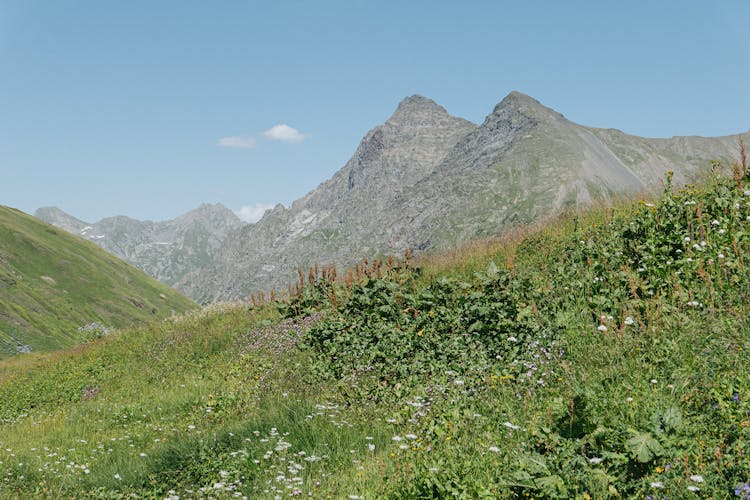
x=427, y=180
x=166, y=250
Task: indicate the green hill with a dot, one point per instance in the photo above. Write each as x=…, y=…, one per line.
x=602, y=356
x=52, y=285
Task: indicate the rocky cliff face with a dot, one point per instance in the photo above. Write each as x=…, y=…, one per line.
x=425, y=179
x=166, y=250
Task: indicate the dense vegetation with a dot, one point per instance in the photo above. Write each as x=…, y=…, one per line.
x=605, y=355
x=57, y=289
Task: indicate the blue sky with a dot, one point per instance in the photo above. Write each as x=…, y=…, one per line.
x=121, y=107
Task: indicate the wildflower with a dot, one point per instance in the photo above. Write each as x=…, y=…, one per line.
x=629, y=320
x=118, y=477
x=696, y=478
x=602, y=328
x=653, y=380
x=511, y=426
x=411, y=436
x=693, y=488
x=397, y=438
x=371, y=447
x=743, y=488
x=629, y=399
x=494, y=449
x=512, y=339
x=693, y=303
x=736, y=397
x=657, y=484
x=596, y=460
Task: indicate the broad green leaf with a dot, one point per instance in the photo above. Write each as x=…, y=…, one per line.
x=552, y=486
x=643, y=447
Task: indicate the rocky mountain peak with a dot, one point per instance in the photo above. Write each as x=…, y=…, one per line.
x=210, y=210
x=57, y=217
x=416, y=111
x=519, y=107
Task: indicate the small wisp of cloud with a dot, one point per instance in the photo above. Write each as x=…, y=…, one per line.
x=238, y=142
x=253, y=213
x=283, y=132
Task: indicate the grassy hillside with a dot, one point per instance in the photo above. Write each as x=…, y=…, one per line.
x=604, y=355
x=53, y=284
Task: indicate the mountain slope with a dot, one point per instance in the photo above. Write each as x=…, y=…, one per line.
x=426, y=180
x=346, y=216
x=53, y=284
x=527, y=161
x=165, y=250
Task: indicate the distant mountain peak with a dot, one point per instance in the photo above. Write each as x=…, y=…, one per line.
x=59, y=218
x=520, y=103
x=417, y=110
x=167, y=250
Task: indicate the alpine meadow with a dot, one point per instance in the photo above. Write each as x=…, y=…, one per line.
x=601, y=354
x=355, y=250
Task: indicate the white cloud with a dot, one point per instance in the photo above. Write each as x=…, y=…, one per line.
x=283, y=132
x=237, y=142
x=253, y=213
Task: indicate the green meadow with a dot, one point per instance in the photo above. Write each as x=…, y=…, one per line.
x=602, y=354
x=57, y=289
